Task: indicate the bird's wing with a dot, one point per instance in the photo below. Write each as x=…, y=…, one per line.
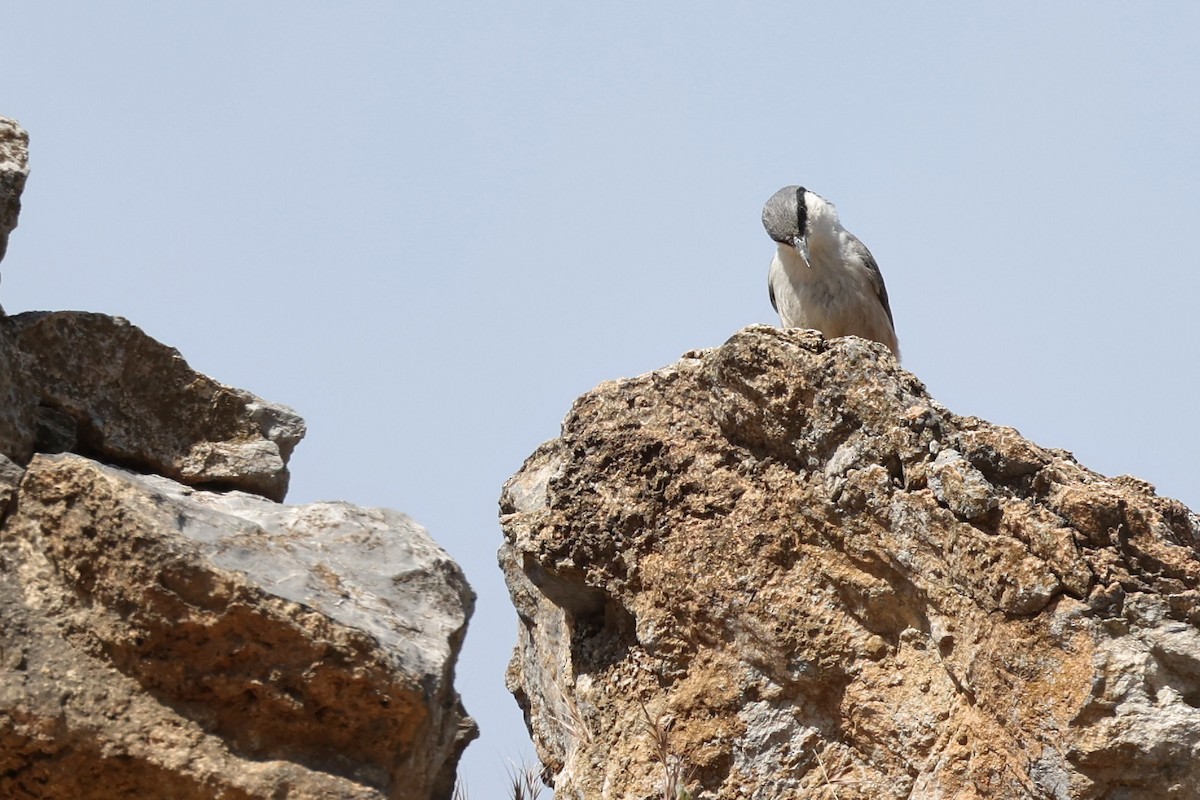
x=873, y=273
x=771, y=293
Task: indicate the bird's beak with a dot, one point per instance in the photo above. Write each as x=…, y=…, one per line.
x=801, y=245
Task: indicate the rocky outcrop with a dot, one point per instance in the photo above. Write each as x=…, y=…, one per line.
x=99, y=386
x=14, y=170
x=168, y=628
x=165, y=641
x=96, y=385
x=780, y=569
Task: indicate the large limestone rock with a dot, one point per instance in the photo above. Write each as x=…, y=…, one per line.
x=162, y=641
x=164, y=635
x=14, y=170
x=168, y=630
x=780, y=569
x=97, y=385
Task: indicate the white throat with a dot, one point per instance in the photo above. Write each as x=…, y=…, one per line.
x=823, y=226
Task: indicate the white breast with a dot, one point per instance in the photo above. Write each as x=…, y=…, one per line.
x=832, y=296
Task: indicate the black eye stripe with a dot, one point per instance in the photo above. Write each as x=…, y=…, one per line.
x=801, y=211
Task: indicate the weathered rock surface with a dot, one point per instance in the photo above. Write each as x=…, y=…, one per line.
x=162, y=641
x=818, y=582
x=97, y=385
x=14, y=170
x=166, y=629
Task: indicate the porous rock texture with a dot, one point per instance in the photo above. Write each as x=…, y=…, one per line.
x=779, y=569
x=164, y=641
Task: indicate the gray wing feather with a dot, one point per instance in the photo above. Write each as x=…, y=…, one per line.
x=771, y=294
x=873, y=273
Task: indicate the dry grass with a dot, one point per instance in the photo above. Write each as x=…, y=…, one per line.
x=674, y=765
x=524, y=781
x=840, y=771
x=570, y=718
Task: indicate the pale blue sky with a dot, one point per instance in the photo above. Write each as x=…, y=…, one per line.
x=430, y=227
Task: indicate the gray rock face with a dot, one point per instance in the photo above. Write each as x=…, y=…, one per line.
x=369, y=569
x=96, y=385
x=99, y=386
x=171, y=642
x=780, y=569
x=10, y=478
x=14, y=170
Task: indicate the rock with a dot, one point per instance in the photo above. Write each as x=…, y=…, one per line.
x=18, y=402
x=96, y=385
x=779, y=568
x=10, y=478
x=960, y=486
x=167, y=629
x=99, y=386
x=14, y=170
x=164, y=641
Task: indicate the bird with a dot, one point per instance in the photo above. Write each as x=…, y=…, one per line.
x=822, y=276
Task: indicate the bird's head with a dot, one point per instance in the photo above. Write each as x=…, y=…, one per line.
x=791, y=215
